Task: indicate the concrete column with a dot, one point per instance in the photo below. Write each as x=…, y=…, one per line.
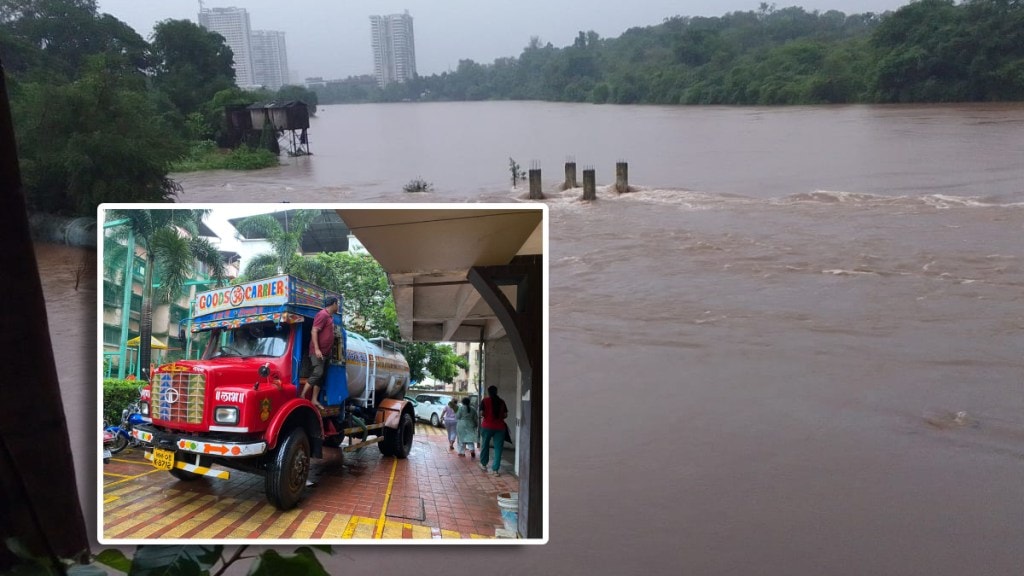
x=589, y=185
x=570, y=176
x=535, y=192
x=621, y=177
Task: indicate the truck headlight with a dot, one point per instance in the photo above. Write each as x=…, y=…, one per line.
x=144, y=408
x=225, y=415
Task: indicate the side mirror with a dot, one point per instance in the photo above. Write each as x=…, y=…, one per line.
x=264, y=371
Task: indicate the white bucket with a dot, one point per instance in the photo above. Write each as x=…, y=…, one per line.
x=508, y=503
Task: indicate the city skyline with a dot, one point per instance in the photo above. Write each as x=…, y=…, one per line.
x=234, y=25
x=260, y=56
x=330, y=39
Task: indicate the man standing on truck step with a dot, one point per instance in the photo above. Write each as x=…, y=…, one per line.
x=320, y=343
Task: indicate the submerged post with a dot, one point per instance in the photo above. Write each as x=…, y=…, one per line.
x=621, y=177
x=570, y=176
x=535, y=192
x=589, y=184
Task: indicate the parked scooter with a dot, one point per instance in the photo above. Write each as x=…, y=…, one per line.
x=122, y=434
x=108, y=440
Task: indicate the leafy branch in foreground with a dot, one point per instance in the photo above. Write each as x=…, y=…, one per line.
x=156, y=560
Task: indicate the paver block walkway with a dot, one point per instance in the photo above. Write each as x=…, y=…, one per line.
x=433, y=494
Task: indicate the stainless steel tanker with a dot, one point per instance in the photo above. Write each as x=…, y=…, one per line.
x=377, y=360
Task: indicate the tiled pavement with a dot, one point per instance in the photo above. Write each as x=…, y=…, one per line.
x=433, y=494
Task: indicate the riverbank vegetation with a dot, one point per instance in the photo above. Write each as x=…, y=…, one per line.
x=103, y=115
x=927, y=51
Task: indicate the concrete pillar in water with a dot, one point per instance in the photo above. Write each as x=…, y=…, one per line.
x=570, y=176
x=535, y=193
x=589, y=185
x=621, y=177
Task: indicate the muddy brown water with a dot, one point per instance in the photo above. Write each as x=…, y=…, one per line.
x=797, y=349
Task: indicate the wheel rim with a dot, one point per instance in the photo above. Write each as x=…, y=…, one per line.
x=120, y=442
x=298, y=472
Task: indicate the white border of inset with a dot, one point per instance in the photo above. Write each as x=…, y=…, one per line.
x=272, y=207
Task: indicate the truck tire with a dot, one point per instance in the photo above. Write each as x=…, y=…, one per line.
x=399, y=441
x=185, y=475
x=434, y=420
x=385, y=444
x=288, y=469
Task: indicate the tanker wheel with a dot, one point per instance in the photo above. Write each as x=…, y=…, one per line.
x=185, y=475
x=399, y=441
x=386, y=449
x=288, y=469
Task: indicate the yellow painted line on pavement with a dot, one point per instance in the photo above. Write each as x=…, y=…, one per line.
x=337, y=526
x=359, y=527
x=309, y=524
x=110, y=499
x=130, y=478
x=379, y=531
x=116, y=475
x=280, y=524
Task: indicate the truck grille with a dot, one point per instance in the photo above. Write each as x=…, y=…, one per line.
x=178, y=397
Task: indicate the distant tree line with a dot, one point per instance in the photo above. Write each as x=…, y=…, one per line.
x=102, y=115
x=927, y=51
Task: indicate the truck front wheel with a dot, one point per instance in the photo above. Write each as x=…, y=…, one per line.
x=288, y=469
x=399, y=440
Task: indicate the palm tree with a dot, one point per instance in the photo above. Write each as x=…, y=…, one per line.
x=172, y=243
x=285, y=241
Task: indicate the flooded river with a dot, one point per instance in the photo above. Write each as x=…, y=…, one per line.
x=796, y=349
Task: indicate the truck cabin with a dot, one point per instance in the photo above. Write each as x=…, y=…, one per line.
x=268, y=340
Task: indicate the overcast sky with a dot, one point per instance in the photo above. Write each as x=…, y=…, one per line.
x=331, y=38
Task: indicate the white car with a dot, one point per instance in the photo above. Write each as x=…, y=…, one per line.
x=430, y=406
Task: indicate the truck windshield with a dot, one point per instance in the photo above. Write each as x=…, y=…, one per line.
x=248, y=341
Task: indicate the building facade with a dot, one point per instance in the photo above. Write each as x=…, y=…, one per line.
x=123, y=284
x=233, y=25
x=269, y=59
x=394, y=48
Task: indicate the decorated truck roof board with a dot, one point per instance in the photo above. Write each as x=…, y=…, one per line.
x=281, y=298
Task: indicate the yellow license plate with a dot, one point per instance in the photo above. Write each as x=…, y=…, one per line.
x=163, y=459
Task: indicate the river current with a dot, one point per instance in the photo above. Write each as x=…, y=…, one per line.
x=796, y=348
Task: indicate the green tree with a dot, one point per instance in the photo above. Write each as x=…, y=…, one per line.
x=170, y=238
x=55, y=38
x=192, y=64
x=369, y=308
x=443, y=363
x=95, y=140
x=291, y=92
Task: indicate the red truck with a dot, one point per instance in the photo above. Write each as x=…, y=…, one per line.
x=240, y=405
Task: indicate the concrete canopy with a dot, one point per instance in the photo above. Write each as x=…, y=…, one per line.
x=327, y=233
x=427, y=254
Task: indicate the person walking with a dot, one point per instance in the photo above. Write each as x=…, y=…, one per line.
x=466, y=429
x=492, y=429
x=320, y=342
x=448, y=415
